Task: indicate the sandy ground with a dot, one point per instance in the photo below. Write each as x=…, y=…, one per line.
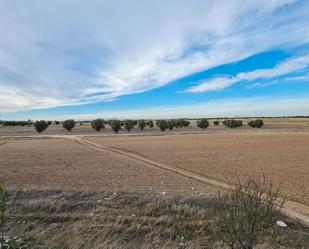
x=65, y=164
x=282, y=157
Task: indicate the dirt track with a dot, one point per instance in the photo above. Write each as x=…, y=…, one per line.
x=292, y=209
x=133, y=164
x=32, y=163
x=281, y=156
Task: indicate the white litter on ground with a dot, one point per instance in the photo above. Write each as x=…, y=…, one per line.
x=281, y=223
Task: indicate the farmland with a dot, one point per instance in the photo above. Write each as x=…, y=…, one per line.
x=177, y=173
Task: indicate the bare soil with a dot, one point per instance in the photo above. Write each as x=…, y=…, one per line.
x=64, y=164
x=282, y=157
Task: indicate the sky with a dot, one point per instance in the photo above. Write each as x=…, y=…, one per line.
x=153, y=59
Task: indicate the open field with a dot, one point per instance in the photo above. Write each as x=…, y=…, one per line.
x=282, y=157
x=100, y=190
x=65, y=164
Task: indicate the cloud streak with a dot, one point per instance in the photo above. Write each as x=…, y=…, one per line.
x=291, y=65
x=52, y=56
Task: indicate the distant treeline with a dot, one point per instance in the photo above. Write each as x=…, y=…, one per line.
x=129, y=124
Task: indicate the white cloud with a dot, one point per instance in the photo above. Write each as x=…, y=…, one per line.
x=286, y=67
x=291, y=65
x=213, y=85
x=73, y=52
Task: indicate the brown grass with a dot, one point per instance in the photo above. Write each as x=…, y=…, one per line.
x=79, y=219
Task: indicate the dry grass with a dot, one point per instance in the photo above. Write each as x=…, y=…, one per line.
x=78, y=219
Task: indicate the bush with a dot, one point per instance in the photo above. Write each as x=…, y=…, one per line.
x=171, y=124
x=150, y=124
x=232, y=123
x=41, y=126
x=68, y=124
x=248, y=210
x=129, y=124
x=115, y=125
x=179, y=123
x=216, y=123
x=258, y=123
x=203, y=123
x=98, y=124
x=162, y=124
x=14, y=123
x=141, y=124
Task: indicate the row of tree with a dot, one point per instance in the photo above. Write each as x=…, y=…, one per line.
x=230, y=123
x=128, y=124
x=42, y=125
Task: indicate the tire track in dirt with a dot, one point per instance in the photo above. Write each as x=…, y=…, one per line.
x=294, y=210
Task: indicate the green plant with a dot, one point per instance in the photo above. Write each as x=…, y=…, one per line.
x=251, y=208
x=162, y=124
x=216, y=122
x=232, y=123
x=41, y=126
x=150, y=123
x=141, y=124
x=68, y=124
x=115, y=125
x=203, y=123
x=258, y=123
x=171, y=124
x=129, y=124
x=98, y=124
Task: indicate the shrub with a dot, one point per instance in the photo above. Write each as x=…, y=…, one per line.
x=203, y=123
x=41, y=126
x=141, y=124
x=98, y=124
x=162, y=124
x=129, y=124
x=216, y=122
x=248, y=211
x=232, y=123
x=170, y=124
x=14, y=123
x=68, y=124
x=150, y=124
x=29, y=122
x=56, y=122
x=185, y=123
x=115, y=125
x=258, y=123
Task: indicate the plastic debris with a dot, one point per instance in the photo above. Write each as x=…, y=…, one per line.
x=281, y=223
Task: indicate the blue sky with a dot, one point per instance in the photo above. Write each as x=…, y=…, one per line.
x=153, y=59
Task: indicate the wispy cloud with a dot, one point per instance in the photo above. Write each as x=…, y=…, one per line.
x=51, y=55
x=292, y=65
